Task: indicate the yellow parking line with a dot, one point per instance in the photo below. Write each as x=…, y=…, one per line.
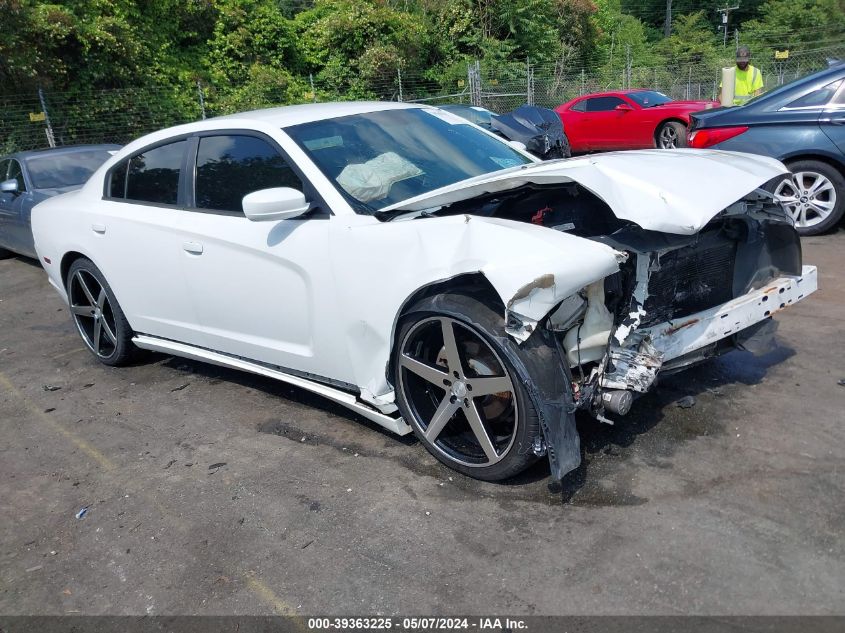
x=73, y=351
x=257, y=586
x=81, y=444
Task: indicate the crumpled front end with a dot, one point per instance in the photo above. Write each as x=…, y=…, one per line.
x=679, y=300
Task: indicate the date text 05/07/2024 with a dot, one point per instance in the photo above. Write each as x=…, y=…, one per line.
x=418, y=623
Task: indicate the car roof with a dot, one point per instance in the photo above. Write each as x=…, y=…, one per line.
x=57, y=151
x=286, y=116
x=281, y=117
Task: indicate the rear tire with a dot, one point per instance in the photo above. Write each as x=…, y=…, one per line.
x=97, y=315
x=671, y=135
x=459, y=390
x=814, y=196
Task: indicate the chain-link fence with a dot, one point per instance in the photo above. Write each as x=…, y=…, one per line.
x=46, y=118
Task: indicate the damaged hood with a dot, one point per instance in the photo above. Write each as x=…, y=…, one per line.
x=672, y=191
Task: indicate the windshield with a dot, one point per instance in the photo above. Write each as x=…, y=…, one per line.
x=66, y=169
x=377, y=159
x=649, y=98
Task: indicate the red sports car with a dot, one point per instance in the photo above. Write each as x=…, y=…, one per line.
x=628, y=119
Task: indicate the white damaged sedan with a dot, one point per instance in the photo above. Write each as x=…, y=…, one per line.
x=422, y=272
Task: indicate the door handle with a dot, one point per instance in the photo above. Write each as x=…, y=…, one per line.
x=99, y=228
x=192, y=247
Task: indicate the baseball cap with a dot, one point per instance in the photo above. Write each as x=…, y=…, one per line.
x=743, y=54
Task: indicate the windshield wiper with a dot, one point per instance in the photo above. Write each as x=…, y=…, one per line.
x=387, y=216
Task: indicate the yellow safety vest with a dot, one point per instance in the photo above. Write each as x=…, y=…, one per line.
x=748, y=82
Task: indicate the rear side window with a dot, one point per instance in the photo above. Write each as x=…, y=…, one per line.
x=581, y=106
x=603, y=104
x=817, y=98
x=152, y=176
x=231, y=166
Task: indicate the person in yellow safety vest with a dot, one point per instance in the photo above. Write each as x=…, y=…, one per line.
x=749, y=79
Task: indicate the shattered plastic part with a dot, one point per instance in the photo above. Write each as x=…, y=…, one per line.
x=634, y=369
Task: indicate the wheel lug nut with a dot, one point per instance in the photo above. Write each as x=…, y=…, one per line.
x=447, y=382
x=456, y=374
x=466, y=402
x=453, y=399
x=469, y=387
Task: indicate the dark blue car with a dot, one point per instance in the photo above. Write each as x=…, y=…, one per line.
x=27, y=178
x=801, y=123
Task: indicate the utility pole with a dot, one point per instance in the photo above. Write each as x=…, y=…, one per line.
x=667, y=25
x=726, y=12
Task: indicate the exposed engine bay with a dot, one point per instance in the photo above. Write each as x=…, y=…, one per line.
x=654, y=315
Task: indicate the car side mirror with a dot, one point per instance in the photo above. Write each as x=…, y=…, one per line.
x=9, y=186
x=278, y=203
x=623, y=107
x=518, y=145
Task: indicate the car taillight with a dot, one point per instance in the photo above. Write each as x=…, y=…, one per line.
x=712, y=136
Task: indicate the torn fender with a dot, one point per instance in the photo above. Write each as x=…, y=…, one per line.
x=532, y=279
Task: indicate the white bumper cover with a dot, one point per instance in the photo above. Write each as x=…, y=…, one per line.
x=674, y=339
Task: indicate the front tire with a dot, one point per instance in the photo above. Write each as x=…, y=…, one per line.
x=97, y=315
x=814, y=196
x=459, y=390
x=672, y=135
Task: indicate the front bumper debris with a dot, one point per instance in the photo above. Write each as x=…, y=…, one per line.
x=675, y=339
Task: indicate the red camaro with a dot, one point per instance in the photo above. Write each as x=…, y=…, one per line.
x=629, y=119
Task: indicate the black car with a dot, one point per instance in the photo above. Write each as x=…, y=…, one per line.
x=801, y=123
x=27, y=178
x=539, y=129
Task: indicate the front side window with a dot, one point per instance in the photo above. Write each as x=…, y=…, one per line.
x=378, y=159
x=229, y=167
x=603, y=104
x=16, y=173
x=153, y=176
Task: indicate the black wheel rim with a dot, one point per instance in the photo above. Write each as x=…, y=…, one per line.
x=458, y=391
x=92, y=313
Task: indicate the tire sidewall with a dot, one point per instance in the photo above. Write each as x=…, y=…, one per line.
x=484, y=322
x=123, y=348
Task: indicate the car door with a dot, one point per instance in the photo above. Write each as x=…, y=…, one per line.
x=576, y=126
x=261, y=289
x=136, y=238
x=13, y=233
x=5, y=206
x=605, y=122
x=832, y=119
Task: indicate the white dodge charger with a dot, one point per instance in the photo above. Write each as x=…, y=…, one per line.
x=421, y=271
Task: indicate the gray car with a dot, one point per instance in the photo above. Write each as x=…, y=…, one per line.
x=27, y=178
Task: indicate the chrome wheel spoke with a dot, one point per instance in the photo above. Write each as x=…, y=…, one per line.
x=450, y=346
x=83, y=311
x=85, y=290
x=424, y=371
x=441, y=417
x=98, y=328
x=487, y=386
x=477, y=426
x=107, y=330
x=101, y=299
